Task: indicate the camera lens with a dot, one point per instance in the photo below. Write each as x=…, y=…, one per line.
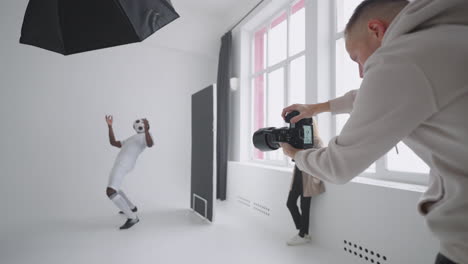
x=299, y=135
x=263, y=139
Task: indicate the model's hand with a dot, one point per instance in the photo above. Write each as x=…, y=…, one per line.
x=146, y=123
x=289, y=150
x=305, y=110
x=109, y=120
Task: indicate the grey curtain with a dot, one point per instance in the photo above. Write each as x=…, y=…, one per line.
x=223, y=86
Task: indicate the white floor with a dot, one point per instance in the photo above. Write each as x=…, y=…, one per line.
x=164, y=235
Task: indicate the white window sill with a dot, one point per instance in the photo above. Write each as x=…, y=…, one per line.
x=390, y=184
x=359, y=180
x=264, y=166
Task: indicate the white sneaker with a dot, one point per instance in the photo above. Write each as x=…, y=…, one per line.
x=308, y=237
x=297, y=240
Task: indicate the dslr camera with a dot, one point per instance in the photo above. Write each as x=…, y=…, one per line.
x=299, y=135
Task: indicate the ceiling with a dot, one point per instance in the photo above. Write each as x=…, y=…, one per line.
x=230, y=11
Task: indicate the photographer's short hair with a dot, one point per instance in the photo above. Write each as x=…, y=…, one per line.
x=380, y=9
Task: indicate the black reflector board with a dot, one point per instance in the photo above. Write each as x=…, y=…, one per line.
x=203, y=152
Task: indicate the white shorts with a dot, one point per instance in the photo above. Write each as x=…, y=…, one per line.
x=117, y=176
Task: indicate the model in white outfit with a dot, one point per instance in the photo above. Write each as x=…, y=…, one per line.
x=131, y=148
x=415, y=89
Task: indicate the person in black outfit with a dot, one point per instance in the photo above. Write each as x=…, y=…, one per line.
x=301, y=219
x=304, y=186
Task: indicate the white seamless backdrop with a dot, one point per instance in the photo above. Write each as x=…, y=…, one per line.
x=55, y=153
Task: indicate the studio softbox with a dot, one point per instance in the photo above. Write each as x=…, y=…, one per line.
x=73, y=26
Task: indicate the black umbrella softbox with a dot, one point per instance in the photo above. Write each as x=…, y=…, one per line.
x=73, y=26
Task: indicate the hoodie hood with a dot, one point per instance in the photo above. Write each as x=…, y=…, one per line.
x=423, y=14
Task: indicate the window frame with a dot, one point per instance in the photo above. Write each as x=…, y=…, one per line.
x=320, y=56
x=285, y=64
x=381, y=169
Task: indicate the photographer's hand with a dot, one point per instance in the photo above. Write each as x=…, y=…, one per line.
x=305, y=110
x=289, y=150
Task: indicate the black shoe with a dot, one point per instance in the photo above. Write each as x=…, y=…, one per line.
x=129, y=223
x=135, y=209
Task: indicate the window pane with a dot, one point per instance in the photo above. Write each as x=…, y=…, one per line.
x=277, y=40
x=405, y=161
x=259, y=59
x=347, y=78
x=275, y=98
x=275, y=106
x=297, y=29
x=344, y=11
x=297, y=81
x=258, y=106
x=275, y=155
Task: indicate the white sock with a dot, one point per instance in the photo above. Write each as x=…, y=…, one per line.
x=120, y=202
x=130, y=204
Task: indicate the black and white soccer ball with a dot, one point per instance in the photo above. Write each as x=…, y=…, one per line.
x=139, y=126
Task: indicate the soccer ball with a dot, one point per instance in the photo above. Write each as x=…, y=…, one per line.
x=139, y=126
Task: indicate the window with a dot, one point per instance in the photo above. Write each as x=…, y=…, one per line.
x=346, y=71
x=405, y=165
x=278, y=72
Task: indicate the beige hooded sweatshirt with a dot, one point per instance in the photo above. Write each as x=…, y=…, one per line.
x=415, y=89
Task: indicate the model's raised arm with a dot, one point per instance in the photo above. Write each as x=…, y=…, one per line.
x=149, y=139
x=113, y=142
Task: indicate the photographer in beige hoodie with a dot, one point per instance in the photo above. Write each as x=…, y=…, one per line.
x=413, y=58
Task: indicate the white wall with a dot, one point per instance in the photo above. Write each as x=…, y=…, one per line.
x=55, y=154
x=378, y=218
x=381, y=218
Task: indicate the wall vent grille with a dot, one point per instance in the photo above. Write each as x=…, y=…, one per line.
x=262, y=208
x=257, y=207
x=366, y=254
x=243, y=201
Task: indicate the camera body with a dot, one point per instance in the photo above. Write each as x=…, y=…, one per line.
x=299, y=135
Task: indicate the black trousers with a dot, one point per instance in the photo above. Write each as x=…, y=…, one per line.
x=441, y=259
x=300, y=218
